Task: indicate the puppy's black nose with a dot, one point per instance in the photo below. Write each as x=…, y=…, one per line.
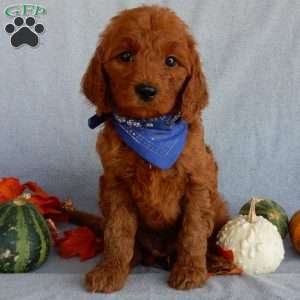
x=145, y=92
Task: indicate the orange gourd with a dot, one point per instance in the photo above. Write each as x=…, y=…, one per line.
x=294, y=230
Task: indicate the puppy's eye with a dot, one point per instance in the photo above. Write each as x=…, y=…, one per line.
x=126, y=56
x=171, y=61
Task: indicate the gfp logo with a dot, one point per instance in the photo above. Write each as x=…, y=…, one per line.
x=25, y=10
x=24, y=29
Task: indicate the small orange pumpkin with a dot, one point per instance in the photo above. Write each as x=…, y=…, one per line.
x=294, y=230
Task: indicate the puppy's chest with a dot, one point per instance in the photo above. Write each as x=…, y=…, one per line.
x=157, y=195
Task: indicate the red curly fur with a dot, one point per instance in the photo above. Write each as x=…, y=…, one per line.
x=163, y=211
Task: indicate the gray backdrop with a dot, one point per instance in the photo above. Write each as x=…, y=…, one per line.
x=250, y=51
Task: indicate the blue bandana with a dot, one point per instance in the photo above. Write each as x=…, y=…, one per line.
x=158, y=140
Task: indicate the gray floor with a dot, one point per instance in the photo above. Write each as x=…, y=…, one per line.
x=62, y=279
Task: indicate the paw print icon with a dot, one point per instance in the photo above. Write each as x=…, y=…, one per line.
x=24, y=32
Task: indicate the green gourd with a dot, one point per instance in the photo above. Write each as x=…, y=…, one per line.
x=270, y=210
x=25, y=239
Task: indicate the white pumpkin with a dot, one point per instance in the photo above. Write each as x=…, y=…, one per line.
x=255, y=242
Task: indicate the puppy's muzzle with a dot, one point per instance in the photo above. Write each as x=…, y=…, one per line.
x=145, y=92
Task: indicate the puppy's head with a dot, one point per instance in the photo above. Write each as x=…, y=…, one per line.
x=146, y=65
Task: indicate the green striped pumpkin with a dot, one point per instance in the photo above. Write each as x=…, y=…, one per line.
x=25, y=239
x=272, y=211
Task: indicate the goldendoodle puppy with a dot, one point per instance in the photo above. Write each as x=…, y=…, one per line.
x=159, y=187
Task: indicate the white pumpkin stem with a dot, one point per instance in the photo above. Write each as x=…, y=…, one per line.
x=252, y=214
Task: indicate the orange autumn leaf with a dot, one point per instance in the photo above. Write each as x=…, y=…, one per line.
x=49, y=207
x=80, y=241
x=234, y=271
x=37, y=190
x=10, y=188
x=45, y=205
x=228, y=254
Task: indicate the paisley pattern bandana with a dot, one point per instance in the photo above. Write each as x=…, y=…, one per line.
x=158, y=140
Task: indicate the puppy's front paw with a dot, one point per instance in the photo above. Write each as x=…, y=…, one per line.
x=106, y=278
x=185, y=277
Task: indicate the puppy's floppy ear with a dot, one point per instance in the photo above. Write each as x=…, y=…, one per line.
x=94, y=83
x=195, y=94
